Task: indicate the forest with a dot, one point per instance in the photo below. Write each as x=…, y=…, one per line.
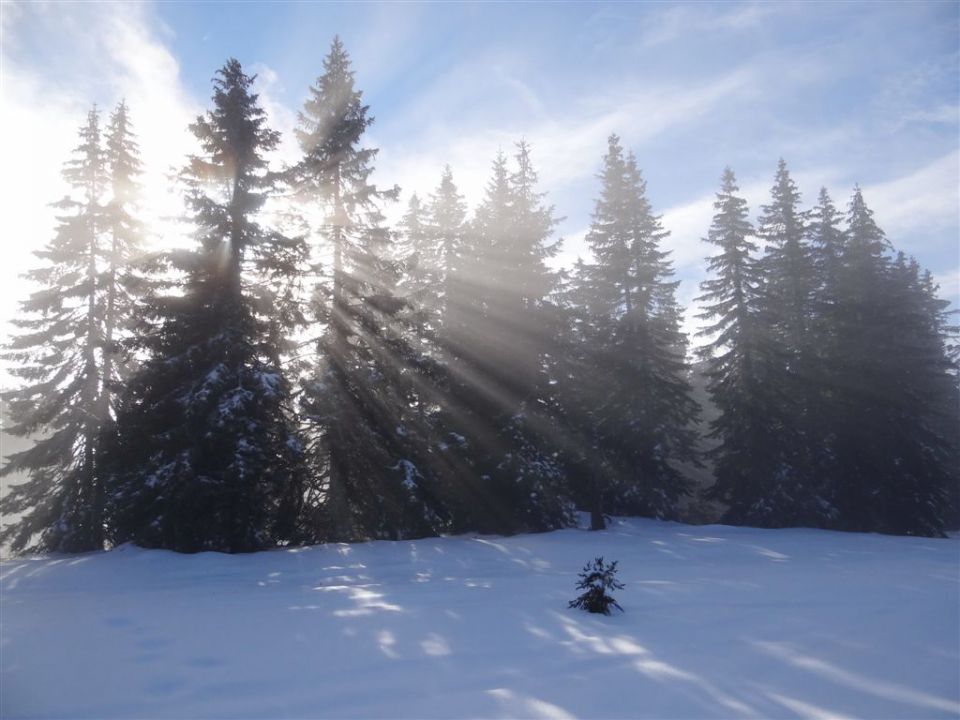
x=306, y=373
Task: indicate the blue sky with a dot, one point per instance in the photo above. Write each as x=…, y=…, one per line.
x=845, y=92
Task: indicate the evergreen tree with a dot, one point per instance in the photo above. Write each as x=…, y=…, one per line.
x=205, y=456
x=56, y=353
x=434, y=233
x=826, y=246
x=500, y=342
x=447, y=225
x=419, y=283
x=124, y=278
x=76, y=329
x=894, y=447
x=596, y=580
x=372, y=483
x=748, y=464
x=826, y=239
x=793, y=493
x=860, y=329
x=447, y=297
x=630, y=392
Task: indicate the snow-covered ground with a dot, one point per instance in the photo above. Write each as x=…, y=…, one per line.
x=720, y=622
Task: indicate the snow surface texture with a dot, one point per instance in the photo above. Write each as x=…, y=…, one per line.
x=720, y=622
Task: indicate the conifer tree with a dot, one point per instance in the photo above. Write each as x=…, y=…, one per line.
x=894, y=449
x=205, y=456
x=371, y=482
x=787, y=265
x=85, y=316
x=826, y=239
x=748, y=464
x=56, y=352
x=447, y=213
x=451, y=457
x=419, y=283
x=793, y=493
x=826, y=246
x=860, y=327
x=500, y=345
x=596, y=580
x=632, y=395
x=124, y=279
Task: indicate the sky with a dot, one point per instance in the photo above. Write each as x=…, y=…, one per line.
x=846, y=93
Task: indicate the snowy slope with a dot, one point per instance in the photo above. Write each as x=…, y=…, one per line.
x=720, y=622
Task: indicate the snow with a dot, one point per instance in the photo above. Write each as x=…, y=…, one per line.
x=720, y=622
x=409, y=474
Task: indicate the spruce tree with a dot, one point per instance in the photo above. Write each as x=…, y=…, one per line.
x=57, y=352
x=125, y=277
x=447, y=213
x=433, y=234
x=453, y=458
x=85, y=318
x=793, y=493
x=204, y=456
x=500, y=347
x=748, y=464
x=596, y=580
x=419, y=283
x=826, y=239
x=894, y=448
x=372, y=482
x=860, y=329
x=630, y=392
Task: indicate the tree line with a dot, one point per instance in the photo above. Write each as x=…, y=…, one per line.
x=352, y=381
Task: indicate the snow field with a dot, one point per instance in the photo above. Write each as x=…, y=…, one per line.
x=720, y=622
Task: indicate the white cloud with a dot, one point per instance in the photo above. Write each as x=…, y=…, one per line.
x=678, y=22
x=909, y=208
x=101, y=54
x=566, y=151
x=945, y=113
x=270, y=87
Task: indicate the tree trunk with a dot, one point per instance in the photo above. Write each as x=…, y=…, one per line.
x=597, y=519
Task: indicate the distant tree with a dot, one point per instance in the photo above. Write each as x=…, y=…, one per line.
x=420, y=277
x=583, y=381
x=499, y=338
x=748, y=463
x=786, y=308
x=447, y=213
x=439, y=231
x=826, y=247
x=894, y=443
x=524, y=307
x=826, y=239
x=69, y=349
x=433, y=287
x=630, y=395
x=205, y=455
x=372, y=479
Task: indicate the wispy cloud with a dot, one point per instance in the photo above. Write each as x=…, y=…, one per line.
x=914, y=207
x=567, y=150
x=103, y=53
x=945, y=113
x=676, y=22
x=269, y=86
